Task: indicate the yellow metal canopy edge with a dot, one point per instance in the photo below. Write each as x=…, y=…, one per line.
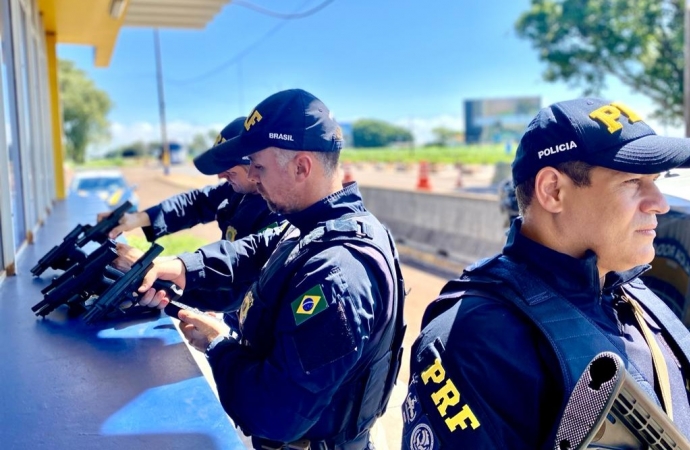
x=93, y=22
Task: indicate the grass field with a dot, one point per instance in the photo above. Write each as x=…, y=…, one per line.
x=465, y=154
x=173, y=244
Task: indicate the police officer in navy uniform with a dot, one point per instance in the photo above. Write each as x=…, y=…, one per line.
x=322, y=327
x=236, y=205
x=502, y=347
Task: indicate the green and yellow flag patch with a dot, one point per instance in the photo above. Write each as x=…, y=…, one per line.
x=309, y=304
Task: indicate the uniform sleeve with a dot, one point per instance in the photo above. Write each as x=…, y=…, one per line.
x=491, y=385
x=323, y=327
x=185, y=210
x=226, y=300
x=224, y=264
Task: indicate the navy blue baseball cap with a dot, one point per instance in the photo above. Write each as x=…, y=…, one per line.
x=292, y=120
x=600, y=133
x=217, y=160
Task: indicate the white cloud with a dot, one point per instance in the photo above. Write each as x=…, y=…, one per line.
x=421, y=126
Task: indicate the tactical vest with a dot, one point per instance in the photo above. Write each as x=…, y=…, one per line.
x=574, y=338
x=240, y=218
x=362, y=399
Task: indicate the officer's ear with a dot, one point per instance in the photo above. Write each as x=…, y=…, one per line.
x=303, y=165
x=548, y=189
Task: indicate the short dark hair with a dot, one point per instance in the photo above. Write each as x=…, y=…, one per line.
x=578, y=171
x=329, y=160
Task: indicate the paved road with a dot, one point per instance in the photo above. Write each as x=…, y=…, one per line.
x=153, y=187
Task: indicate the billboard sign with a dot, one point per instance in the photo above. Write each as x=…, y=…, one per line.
x=499, y=119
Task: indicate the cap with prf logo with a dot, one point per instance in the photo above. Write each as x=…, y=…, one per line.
x=600, y=133
x=292, y=120
x=213, y=161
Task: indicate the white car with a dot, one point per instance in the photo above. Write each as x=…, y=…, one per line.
x=670, y=273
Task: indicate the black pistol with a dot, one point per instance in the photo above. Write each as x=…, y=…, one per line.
x=69, y=252
x=79, y=282
x=124, y=289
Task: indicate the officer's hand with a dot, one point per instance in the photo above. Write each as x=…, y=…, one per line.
x=170, y=269
x=201, y=329
x=130, y=221
x=103, y=215
x=126, y=256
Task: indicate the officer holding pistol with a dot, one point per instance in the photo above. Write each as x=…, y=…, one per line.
x=236, y=205
x=504, y=344
x=322, y=327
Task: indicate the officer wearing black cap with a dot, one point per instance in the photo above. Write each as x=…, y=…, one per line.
x=322, y=327
x=504, y=344
x=236, y=205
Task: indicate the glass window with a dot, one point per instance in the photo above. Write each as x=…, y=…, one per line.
x=11, y=130
x=26, y=143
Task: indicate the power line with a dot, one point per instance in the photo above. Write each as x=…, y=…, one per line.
x=239, y=56
x=287, y=16
x=232, y=61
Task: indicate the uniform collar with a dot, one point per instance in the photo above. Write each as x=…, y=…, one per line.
x=344, y=201
x=572, y=276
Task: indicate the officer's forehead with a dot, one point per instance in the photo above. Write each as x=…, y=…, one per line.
x=261, y=155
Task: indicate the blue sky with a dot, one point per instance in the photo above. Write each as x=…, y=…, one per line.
x=409, y=62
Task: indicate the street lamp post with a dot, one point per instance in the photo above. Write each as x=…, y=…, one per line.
x=165, y=146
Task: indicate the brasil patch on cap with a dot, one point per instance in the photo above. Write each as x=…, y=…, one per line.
x=309, y=304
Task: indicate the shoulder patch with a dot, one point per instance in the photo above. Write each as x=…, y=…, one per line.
x=309, y=304
x=247, y=303
x=422, y=437
x=230, y=233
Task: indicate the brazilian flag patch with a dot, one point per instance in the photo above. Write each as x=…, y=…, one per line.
x=309, y=304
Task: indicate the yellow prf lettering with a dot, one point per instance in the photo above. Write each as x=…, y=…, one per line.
x=609, y=115
x=251, y=120
x=461, y=418
x=436, y=372
x=447, y=396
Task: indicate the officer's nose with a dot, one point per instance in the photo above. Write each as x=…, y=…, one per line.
x=656, y=201
x=253, y=174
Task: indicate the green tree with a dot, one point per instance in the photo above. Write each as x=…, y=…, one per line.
x=377, y=133
x=84, y=110
x=640, y=42
x=199, y=144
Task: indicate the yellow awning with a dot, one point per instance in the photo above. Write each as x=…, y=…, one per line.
x=98, y=22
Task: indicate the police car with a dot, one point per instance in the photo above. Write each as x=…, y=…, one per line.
x=669, y=277
x=108, y=184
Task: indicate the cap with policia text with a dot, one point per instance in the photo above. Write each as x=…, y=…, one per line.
x=215, y=161
x=597, y=132
x=290, y=120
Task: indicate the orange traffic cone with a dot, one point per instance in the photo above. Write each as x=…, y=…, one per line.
x=347, y=176
x=459, y=182
x=423, y=180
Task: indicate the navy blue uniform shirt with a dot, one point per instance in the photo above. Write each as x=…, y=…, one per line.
x=238, y=215
x=309, y=327
x=506, y=375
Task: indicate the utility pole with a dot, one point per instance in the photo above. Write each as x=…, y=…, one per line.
x=161, y=105
x=686, y=72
